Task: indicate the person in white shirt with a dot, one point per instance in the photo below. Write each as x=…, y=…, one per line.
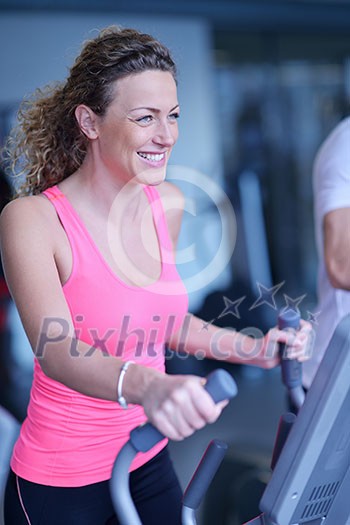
x=331, y=184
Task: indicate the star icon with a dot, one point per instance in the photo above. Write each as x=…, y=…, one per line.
x=312, y=317
x=267, y=295
x=231, y=307
x=292, y=304
x=206, y=325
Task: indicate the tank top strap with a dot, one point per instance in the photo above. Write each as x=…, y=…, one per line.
x=158, y=213
x=59, y=202
x=53, y=193
x=69, y=220
x=76, y=230
x=63, y=208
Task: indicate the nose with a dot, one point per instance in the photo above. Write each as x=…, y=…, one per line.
x=166, y=134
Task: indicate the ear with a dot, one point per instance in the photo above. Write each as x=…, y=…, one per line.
x=86, y=119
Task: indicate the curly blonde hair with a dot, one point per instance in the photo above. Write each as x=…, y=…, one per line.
x=47, y=145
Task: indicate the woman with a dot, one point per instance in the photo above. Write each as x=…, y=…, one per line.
x=89, y=258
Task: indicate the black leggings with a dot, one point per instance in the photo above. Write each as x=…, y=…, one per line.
x=154, y=487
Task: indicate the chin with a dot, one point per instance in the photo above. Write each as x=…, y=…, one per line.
x=152, y=177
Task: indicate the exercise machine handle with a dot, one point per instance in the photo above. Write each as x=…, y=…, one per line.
x=291, y=368
x=201, y=479
x=219, y=384
x=285, y=425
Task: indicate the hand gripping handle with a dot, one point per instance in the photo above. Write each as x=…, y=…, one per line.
x=219, y=384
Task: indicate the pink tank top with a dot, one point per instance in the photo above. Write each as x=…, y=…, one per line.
x=69, y=439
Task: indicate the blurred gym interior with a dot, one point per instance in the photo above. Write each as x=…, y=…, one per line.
x=277, y=78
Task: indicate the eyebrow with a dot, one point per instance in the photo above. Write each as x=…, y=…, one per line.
x=155, y=110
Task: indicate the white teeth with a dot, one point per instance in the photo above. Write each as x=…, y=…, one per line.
x=153, y=157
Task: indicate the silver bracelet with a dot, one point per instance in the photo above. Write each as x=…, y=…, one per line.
x=121, y=399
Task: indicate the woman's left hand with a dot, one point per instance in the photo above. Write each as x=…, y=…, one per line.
x=298, y=345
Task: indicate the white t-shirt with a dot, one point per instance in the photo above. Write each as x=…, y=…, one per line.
x=331, y=183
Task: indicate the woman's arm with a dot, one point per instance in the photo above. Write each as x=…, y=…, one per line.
x=196, y=335
x=28, y=251
x=224, y=344
x=28, y=228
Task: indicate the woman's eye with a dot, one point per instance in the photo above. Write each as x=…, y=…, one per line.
x=145, y=120
x=174, y=116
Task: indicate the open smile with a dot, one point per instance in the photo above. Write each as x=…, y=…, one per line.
x=152, y=158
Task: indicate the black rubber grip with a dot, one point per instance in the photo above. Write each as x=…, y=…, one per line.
x=291, y=368
x=220, y=385
x=206, y=470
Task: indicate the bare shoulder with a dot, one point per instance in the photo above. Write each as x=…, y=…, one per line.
x=28, y=216
x=169, y=188
x=169, y=192
x=26, y=207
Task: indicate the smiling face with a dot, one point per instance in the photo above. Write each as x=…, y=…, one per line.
x=139, y=129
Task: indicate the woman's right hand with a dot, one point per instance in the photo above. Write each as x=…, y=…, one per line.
x=178, y=405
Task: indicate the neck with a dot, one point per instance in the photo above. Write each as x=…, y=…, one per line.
x=104, y=192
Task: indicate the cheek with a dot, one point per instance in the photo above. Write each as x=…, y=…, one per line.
x=175, y=133
x=137, y=139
